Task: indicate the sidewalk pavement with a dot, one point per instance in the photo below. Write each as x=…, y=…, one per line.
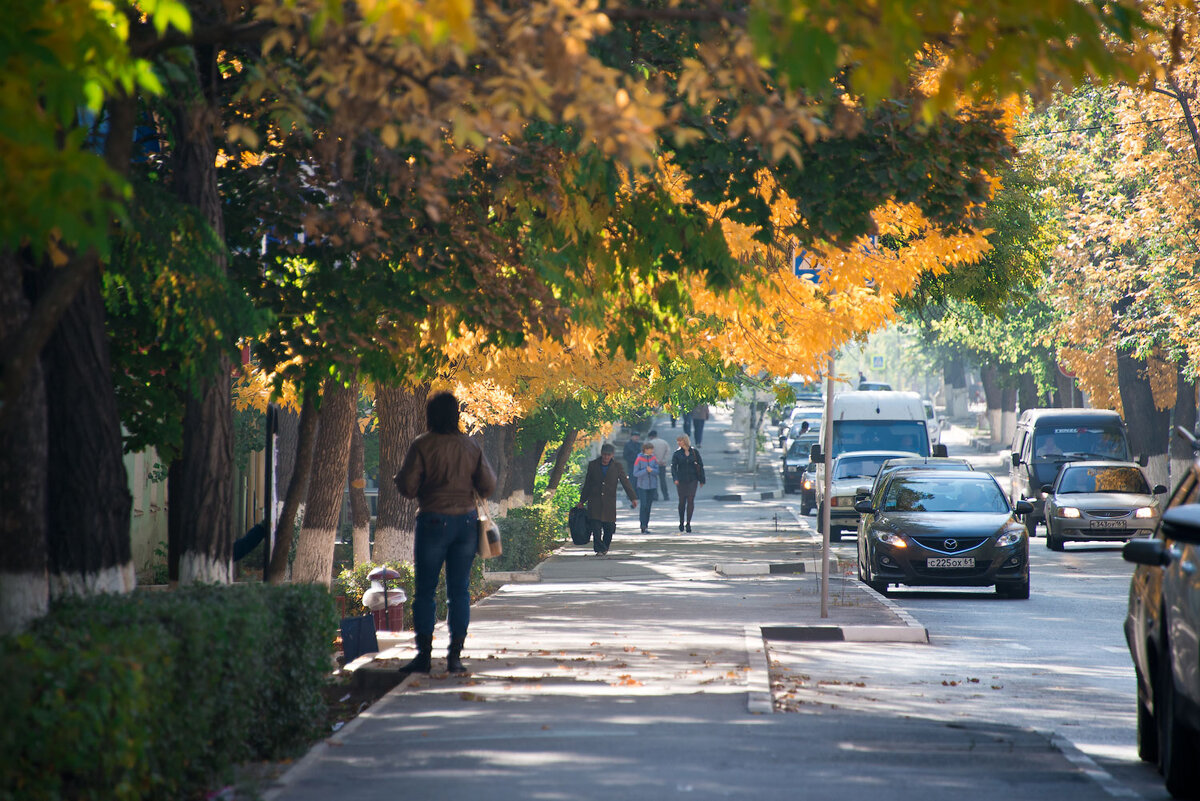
x=644, y=675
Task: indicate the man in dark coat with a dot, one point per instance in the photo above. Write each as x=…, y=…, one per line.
x=632, y=449
x=599, y=494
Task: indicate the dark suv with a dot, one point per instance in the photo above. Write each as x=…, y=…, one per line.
x=1162, y=628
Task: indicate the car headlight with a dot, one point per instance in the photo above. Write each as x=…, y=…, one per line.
x=894, y=540
x=1144, y=512
x=1068, y=511
x=1009, y=538
x=808, y=483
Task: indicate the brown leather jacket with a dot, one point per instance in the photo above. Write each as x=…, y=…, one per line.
x=444, y=472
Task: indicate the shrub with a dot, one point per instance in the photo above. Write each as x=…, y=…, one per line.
x=530, y=534
x=160, y=695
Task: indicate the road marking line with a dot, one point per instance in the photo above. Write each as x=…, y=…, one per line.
x=1089, y=767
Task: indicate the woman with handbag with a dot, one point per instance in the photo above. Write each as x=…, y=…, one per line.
x=687, y=470
x=445, y=470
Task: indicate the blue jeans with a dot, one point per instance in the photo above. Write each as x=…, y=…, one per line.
x=452, y=540
x=645, y=498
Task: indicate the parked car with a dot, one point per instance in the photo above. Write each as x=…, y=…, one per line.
x=934, y=422
x=1046, y=439
x=795, y=426
x=1100, y=501
x=808, y=489
x=1162, y=628
x=943, y=528
x=850, y=471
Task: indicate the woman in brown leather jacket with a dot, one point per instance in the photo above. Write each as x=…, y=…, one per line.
x=444, y=470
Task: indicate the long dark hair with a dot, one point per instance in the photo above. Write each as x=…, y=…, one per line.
x=441, y=413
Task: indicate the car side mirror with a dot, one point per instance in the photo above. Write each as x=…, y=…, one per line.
x=814, y=453
x=1143, y=460
x=1023, y=507
x=861, y=492
x=1182, y=523
x=1159, y=489
x=1146, y=552
x=940, y=450
x=1016, y=460
x=863, y=507
x=1047, y=488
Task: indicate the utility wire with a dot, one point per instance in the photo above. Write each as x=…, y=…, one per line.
x=1097, y=127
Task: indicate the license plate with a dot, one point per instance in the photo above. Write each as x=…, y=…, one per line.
x=1106, y=523
x=951, y=561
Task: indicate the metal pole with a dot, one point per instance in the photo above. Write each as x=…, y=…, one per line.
x=827, y=447
x=753, y=439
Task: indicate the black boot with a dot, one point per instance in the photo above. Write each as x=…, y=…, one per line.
x=454, y=662
x=421, y=662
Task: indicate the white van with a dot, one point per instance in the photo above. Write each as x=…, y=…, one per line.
x=874, y=421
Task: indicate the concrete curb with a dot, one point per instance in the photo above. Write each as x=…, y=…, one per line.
x=762, y=569
x=1089, y=767
x=758, y=692
x=513, y=576
x=846, y=633
x=908, y=619
x=748, y=496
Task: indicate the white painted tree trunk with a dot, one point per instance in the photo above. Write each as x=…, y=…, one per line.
x=24, y=597
x=113, y=579
x=201, y=568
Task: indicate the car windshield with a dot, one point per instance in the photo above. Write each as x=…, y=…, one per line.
x=801, y=447
x=880, y=435
x=932, y=494
x=1079, y=442
x=1103, y=479
x=858, y=466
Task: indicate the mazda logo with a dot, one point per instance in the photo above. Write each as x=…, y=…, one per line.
x=950, y=545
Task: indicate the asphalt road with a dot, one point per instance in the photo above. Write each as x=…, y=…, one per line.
x=1056, y=663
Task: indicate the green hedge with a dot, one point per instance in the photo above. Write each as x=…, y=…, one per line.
x=160, y=694
x=530, y=534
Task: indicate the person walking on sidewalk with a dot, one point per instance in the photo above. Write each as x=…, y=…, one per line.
x=445, y=470
x=699, y=418
x=662, y=452
x=646, y=470
x=599, y=494
x=631, y=451
x=687, y=470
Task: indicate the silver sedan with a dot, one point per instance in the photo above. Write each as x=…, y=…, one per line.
x=1100, y=501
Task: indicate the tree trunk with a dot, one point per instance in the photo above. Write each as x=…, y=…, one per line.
x=1008, y=413
x=88, y=499
x=360, y=510
x=401, y=419
x=24, y=581
x=285, y=528
x=522, y=475
x=955, y=375
x=1148, y=427
x=561, y=457
x=499, y=444
x=205, y=498
x=1027, y=393
x=326, y=485
x=1184, y=416
x=989, y=376
x=287, y=445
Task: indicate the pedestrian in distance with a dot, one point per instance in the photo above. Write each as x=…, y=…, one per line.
x=599, y=495
x=662, y=452
x=646, y=470
x=687, y=423
x=446, y=472
x=699, y=418
x=631, y=450
x=687, y=470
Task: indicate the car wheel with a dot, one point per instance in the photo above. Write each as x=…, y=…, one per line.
x=805, y=508
x=1177, y=743
x=1031, y=525
x=1018, y=590
x=835, y=534
x=1147, y=731
x=879, y=586
x=1054, y=540
x=820, y=518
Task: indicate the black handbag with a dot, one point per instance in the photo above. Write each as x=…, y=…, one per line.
x=577, y=525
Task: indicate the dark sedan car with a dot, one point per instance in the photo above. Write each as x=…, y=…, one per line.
x=1162, y=628
x=943, y=528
